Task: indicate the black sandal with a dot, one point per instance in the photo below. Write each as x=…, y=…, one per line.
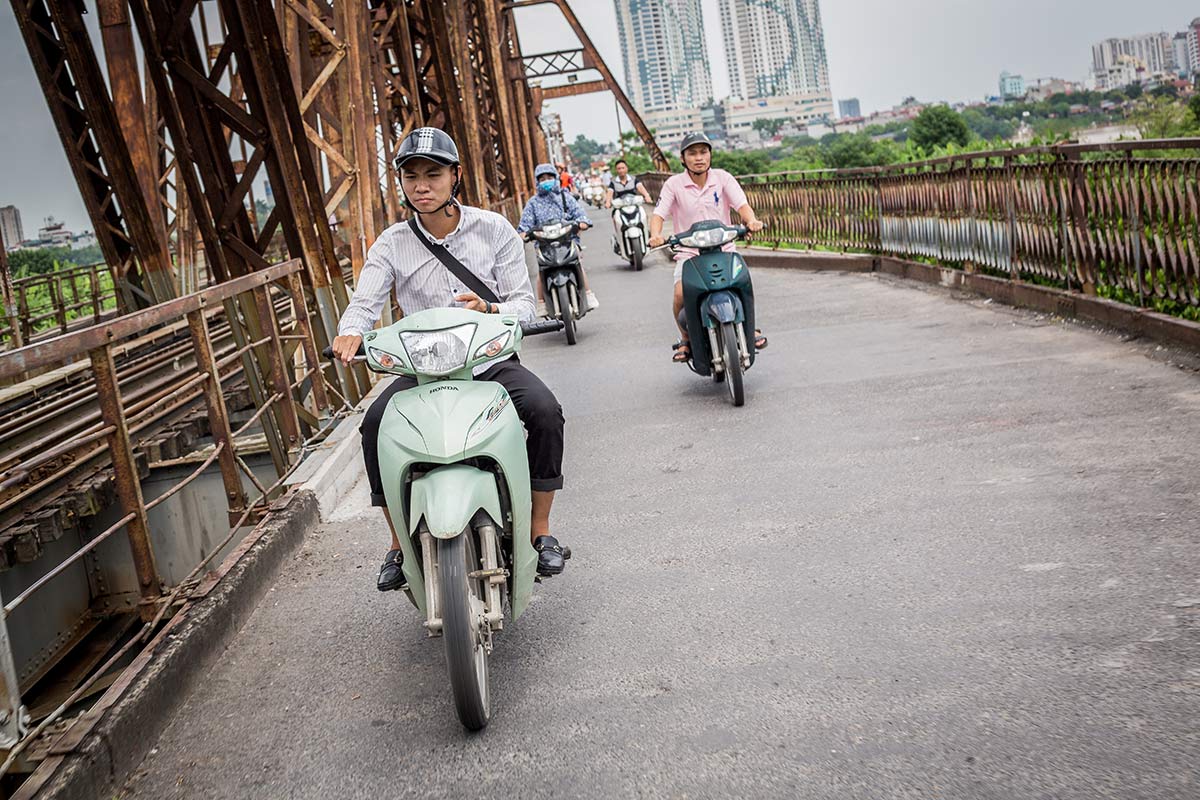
x=683, y=352
x=760, y=341
x=391, y=577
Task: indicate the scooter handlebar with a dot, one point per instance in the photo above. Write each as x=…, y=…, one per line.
x=545, y=326
x=328, y=352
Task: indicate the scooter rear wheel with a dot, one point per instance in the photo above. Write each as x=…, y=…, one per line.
x=462, y=603
x=564, y=308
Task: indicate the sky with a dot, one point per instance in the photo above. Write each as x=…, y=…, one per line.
x=880, y=51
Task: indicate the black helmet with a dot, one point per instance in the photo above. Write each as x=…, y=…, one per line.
x=431, y=143
x=694, y=138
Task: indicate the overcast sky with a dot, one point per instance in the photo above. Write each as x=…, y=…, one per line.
x=879, y=51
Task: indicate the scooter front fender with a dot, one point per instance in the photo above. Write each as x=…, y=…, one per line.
x=560, y=278
x=448, y=497
x=722, y=307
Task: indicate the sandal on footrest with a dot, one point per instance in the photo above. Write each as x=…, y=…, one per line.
x=760, y=341
x=683, y=352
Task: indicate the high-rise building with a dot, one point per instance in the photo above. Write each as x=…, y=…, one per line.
x=10, y=227
x=1155, y=51
x=662, y=48
x=1183, y=59
x=849, y=108
x=1193, y=46
x=774, y=47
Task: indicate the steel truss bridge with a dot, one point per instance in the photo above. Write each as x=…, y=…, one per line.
x=190, y=355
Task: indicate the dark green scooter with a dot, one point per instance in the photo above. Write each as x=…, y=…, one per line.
x=718, y=305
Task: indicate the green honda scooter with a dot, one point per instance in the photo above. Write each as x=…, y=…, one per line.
x=456, y=478
x=718, y=305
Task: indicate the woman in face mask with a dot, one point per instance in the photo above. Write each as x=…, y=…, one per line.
x=552, y=203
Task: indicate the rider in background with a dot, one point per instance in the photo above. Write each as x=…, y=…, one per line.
x=623, y=183
x=564, y=177
x=619, y=185
x=697, y=194
x=553, y=203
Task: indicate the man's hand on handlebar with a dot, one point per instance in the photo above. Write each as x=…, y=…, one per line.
x=583, y=226
x=657, y=241
x=345, y=348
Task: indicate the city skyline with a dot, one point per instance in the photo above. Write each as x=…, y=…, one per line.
x=663, y=55
x=773, y=47
x=879, y=51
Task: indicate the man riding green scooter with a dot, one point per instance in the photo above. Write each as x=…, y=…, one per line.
x=405, y=260
x=699, y=193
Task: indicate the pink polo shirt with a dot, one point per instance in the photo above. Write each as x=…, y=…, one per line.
x=685, y=203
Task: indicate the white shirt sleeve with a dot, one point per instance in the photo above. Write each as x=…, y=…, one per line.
x=375, y=283
x=512, y=277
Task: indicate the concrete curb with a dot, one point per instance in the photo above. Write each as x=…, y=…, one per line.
x=325, y=473
x=1071, y=305
x=181, y=655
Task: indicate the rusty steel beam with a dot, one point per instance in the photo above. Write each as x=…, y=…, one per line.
x=572, y=89
x=129, y=487
x=330, y=70
x=592, y=57
x=9, y=298
x=96, y=148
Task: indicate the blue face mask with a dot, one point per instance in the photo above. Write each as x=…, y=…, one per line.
x=545, y=187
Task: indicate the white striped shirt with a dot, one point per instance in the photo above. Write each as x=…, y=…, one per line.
x=484, y=242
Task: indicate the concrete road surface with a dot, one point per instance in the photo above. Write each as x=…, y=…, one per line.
x=946, y=550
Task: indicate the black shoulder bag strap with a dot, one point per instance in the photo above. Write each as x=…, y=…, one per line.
x=469, y=279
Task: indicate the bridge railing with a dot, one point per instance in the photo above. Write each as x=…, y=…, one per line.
x=1121, y=220
x=53, y=302
x=248, y=337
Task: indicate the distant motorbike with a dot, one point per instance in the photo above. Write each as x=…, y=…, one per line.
x=718, y=305
x=456, y=479
x=560, y=272
x=594, y=194
x=630, y=218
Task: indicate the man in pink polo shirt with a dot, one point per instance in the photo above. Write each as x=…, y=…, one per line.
x=698, y=193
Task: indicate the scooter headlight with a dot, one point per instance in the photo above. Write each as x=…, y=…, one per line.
x=438, y=353
x=551, y=231
x=709, y=237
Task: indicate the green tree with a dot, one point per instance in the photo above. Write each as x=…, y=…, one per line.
x=1163, y=118
x=858, y=150
x=38, y=262
x=742, y=162
x=585, y=149
x=987, y=127
x=1194, y=107
x=938, y=126
x=768, y=127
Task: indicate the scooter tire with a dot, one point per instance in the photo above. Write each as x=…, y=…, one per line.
x=564, y=308
x=733, y=364
x=466, y=657
x=637, y=255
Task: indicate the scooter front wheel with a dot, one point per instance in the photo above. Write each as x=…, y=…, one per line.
x=462, y=620
x=638, y=254
x=564, y=308
x=733, y=364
